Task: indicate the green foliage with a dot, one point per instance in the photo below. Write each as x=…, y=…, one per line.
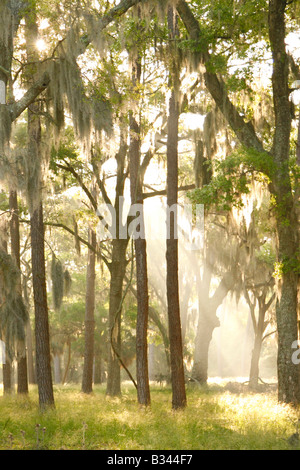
x=4, y=204
x=232, y=178
x=287, y=265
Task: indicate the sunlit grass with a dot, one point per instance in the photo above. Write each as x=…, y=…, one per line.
x=214, y=419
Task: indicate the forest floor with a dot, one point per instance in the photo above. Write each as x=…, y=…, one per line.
x=217, y=417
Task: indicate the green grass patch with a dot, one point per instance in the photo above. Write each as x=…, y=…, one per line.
x=213, y=419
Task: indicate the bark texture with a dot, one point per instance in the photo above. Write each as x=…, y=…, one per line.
x=143, y=389
x=89, y=322
x=175, y=333
x=42, y=339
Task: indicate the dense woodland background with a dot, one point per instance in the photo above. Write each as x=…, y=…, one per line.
x=159, y=103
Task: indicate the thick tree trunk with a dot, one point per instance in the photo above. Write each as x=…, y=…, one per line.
x=87, y=377
x=208, y=319
x=286, y=220
x=207, y=322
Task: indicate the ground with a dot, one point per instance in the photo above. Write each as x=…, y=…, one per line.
x=219, y=416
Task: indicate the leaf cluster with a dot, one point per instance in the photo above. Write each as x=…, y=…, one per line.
x=232, y=178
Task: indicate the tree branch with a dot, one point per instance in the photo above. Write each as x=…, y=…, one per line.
x=163, y=192
x=43, y=81
x=244, y=131
x=70, y=169
x=40, y=85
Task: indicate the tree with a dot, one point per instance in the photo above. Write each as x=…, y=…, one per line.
x=87, y=376
x=135, y=170
x=175, y=335
x=15, y=252
x=274, y=164
x=34, y=189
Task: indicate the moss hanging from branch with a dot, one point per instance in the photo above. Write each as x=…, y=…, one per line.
x=67, y=91
x=57, y=277
x=5, y=127
x=76, y=234
x=13, y=312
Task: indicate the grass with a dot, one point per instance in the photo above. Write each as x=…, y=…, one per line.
x=214, y=419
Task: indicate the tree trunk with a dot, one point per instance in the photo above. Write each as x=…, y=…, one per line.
x=87, y=378
x=7, y=379
x=286, y=220
x=207, y=322
x=34, y=190
x=15, y=252
x=7, y=367
x=67, y=367
x=117, y=273
x=175, y=334
x=42, y=339
x=98, y=366
x=30, y=359
x=57, y=368
x=143, y=389
x=258, y=339
x=208, y=319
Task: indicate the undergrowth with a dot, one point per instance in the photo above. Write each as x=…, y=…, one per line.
x=214, y=419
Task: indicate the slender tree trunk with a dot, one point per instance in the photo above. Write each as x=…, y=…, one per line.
x=7, y=367
x=176, y=348
x=42, y=339
x=98, y=366
x=67, y=367
x=117, y=273
x=29, y=346
x=175, y=334
x=143, y=389
x=255, y=357
x=57, y=368
x=7, y=373
x=30, y=359
x=15, y=252
x=259, y=327
x=34, y=187
x=87, y=378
